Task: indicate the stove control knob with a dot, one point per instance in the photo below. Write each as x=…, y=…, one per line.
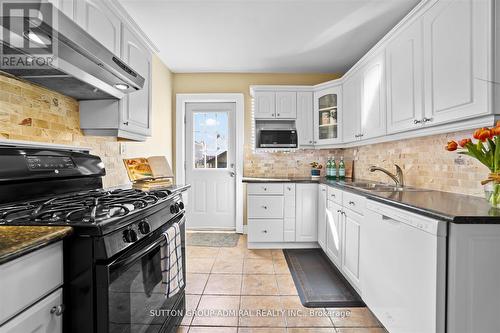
x=144, y=227
x=129, y=236
x=177, y=207
x=181, y=205
x=172, y=209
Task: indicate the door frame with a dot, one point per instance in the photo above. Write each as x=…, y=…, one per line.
x=180, y=141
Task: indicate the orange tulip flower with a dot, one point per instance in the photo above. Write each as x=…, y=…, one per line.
x=462, y=143
x=495, y=131
x=451, y=146
x=484, y=134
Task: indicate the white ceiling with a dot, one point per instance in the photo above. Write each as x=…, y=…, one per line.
x=294, y=36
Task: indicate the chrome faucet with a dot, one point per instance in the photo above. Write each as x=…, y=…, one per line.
x=398, y=177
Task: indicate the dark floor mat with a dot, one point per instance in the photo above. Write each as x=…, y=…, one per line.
x=319, y=283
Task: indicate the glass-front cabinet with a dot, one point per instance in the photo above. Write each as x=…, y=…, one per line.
x=328, y=116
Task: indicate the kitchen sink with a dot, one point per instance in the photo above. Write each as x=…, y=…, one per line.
x=378, y=187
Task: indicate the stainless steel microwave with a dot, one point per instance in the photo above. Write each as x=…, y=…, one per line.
x=278, y=138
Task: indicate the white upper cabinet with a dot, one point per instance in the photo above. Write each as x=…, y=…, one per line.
x=327, y=116
x=351, y=108
x=306, y=208
x=286, y=105
x=373, y=99
x=457, y=44
x=100, y=22
x=136, y=106
x=264, y=104
x=305, y=118
x=65, y=6
x=405, y=107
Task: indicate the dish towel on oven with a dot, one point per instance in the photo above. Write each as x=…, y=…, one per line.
x=171, y=261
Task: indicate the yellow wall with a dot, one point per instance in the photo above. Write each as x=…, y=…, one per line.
x=240, y=83
x=161, y=141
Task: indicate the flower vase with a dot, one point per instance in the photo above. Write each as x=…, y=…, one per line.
x=492, y=193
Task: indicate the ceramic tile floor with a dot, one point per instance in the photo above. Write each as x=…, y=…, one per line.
x=237, y=290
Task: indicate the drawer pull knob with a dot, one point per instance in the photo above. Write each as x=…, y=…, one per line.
x=265, y=207
x=352, y=203
x=332, y=195
x=342, y=212
x=264, y=188
x=57, y=310
x=264, y=231
x=339, y=211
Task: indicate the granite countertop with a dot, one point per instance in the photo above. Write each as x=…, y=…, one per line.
x=16, y=241
x=445, y=206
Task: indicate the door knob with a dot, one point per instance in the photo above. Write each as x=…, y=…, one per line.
x=232, y=174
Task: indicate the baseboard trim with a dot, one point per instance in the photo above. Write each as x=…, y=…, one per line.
x=283, y=245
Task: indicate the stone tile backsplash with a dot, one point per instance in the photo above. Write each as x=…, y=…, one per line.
x=29, y=112
x=424, y=161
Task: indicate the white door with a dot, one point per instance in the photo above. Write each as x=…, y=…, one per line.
x=351, y=231
x=405, y=107
x=456, y=60
x=210, y=165
x=265, y=105
x=334, y=232
x=373, y=98
x=286, y=104
x=322, y=195
x=306, y=209
x=305, y=118
x=351, y=108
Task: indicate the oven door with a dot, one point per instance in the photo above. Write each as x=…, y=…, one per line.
x=130, y=296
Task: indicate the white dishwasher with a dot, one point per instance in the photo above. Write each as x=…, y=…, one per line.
x=403, y=269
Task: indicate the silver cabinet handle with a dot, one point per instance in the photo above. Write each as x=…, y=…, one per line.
x=264, y=231
x=278, y=114
x=125, y=123
x=342, y=212
x=310, y=142
x=339, y=211
x=415, y=121
x=264, y=188
x=265, y=207
x=289, y=188
x=323, y=190
x=57, y=310
x=352, y=203
x=426, y=120
x=332, y=195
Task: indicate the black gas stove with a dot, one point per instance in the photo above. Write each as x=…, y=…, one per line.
x=112, y=261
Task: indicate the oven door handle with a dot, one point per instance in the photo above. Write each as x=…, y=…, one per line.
x=130, y=259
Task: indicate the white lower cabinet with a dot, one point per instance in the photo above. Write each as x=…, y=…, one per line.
x=334, y=233
x=265, y=230
x=43, y=317
x=306, y=213
x=351, y=230
x=322, y=216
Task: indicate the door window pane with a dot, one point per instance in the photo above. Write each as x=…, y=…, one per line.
x=210, y=140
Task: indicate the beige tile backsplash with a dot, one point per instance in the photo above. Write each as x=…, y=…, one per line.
x=424, y=161
x=32, y=113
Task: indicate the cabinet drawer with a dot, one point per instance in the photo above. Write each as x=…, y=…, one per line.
x=262, y=230
x=25, y=280
x=39, y=318
x=265, y=207
x=335, y=195
x=265, y=188
x=354, y=202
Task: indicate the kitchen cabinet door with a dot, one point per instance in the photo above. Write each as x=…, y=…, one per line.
x=322, y=216
x=334, y=233
x=405, y=105
x=136, y=106
x=42, y=317
x=328, y=116
x=351, y=233
x=265, y=105
x=373, y=99
x=352, y=107
x=100, y=22
x=305, y=118
x=306, y=208
x=68, y=7
x=286, y=105
x=457, y=39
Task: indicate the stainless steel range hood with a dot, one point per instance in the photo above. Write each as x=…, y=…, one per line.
x=81, y=68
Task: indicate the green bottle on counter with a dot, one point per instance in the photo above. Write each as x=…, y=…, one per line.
x=341, y=168
x=329, y=169
x=334, y=169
